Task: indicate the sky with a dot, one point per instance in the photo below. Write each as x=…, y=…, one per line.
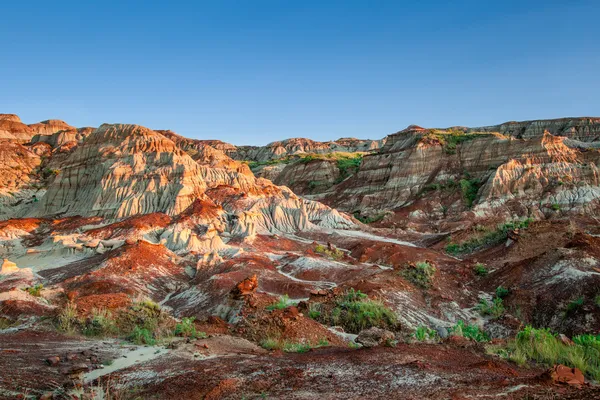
x=255, y=71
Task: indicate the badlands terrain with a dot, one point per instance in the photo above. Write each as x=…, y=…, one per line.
x=453, y=263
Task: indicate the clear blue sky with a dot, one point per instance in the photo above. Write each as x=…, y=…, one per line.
x=254, y=71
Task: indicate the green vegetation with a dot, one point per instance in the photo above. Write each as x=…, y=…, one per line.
x=575, y=305
x=502, y=292
x=420, y=274
x=495, y=309
x=68, y=320
x=35, y=291
x=313, y=311
x=141, y=336
x=348, y=165
x=354, y=312
x=543, y=347
x=556, y=207
x=5, y=323
x=143, y=322
x=597, y=300
x=186, y=328
x=488, y=238
x=450, y=139
x=101, y=323
x=469, y=189
x=469, y=331
x=424, y=333
x=480, y=269
x=283, y=302
x=368, y=220
x=333, y=253
x=290, y=347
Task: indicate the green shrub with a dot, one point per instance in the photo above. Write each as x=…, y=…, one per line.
x=283, y=302
x=290, y=347
x=597, y=300
x=368, y=220
x=556, y=207
x=270, y=344
x=469, y=331
x=36, y=290
x=314, y=311
x=334, y=253
x=495, y=310
x=421, y=274
x=424, y=333
x=186, y=328
x=489, y=238
x=480, y=269
x=348, y=166
x=142, y=336
x=502, y=292
x=575, y=305
x=355, y=311
x=100, y=323
x=469, y=189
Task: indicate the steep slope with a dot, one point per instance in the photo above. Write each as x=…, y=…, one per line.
x=11, y=128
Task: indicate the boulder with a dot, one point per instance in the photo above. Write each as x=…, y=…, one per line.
x=374, y=336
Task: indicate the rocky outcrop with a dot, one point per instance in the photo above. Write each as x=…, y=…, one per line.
x=18, y=179
x=123, y=170
x=50, y=126
x=296, y=146
x=11, y=128
x=585, y=129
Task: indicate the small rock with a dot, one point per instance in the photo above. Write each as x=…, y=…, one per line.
x=562, y=374
x=53, y=360
x=565, y=340
x=47, y=396
x=442, y=331
x=71, y=357
x=373, y=337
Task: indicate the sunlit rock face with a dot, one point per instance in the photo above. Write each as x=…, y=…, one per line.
x=123, y=170
x=584, y=129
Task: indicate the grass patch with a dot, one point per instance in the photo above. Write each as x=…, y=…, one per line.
x=367, y=219
x=543, y=347
x=283, y=302
x=68, y=320
x=495, y=309
x=597, y=300
x=480, y=269
x=424, y=333
x=451, y=139
x=420, y=274
x=502, y=292
x=100, y=323
x=141, y=336
x=333, y=253
x=354, y=311
x=36, y=290
x=291, y=347
x=469, y=331
x=186, y=328
x=469, y=189
x=348, y=165
x=575, y=305
x=488, y=238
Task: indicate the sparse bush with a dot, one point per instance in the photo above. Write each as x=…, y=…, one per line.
x=36, y=290
x=556, y=207
x=270, y=344
x=100, y=323
x=502, y=292
x=355, y=312
x=469, y=331
x=141, y=336
x=283, y=302
x=290, y=347
x=495, y=310
x=469, y=189
x=68, y=320
x=424, y=333
x=348, y=166
x=314, y=311
x=146, y=316
x=186, y=328
x=420, y=274
x=597, y=300
x=369, y=220
x=488, y=238
x=334, y=253
x=480, y=269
